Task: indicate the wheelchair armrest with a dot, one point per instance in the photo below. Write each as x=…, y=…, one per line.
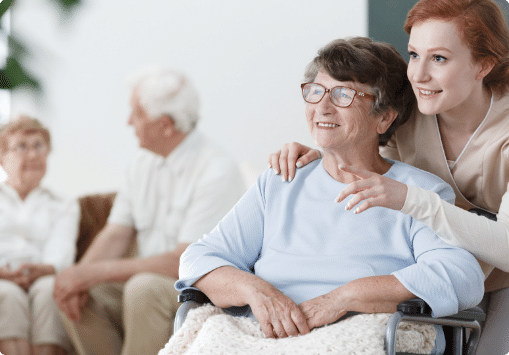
x=418, y=307
x=414, y=307
x=418, y=310
x=190, y=299
x=193, y=295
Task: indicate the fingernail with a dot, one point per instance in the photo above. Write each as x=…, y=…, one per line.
x=299, y=164
x=341, y=166
x=283, y=178
x=275, y=171
x=357, y=210
x=270, y=166
x=347, y=207
x=290, y=179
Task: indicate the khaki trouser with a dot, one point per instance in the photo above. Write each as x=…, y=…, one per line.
x=31, y=315
x=129, y=319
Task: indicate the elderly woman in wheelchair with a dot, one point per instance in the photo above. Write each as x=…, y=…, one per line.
x=296, y=258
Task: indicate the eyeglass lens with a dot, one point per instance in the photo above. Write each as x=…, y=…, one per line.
x=340, y=96
x=24, y=148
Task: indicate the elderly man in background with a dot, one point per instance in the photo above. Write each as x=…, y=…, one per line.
x=178, y=188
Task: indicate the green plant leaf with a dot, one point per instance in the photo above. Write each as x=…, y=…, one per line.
x=13, y=75
x=16, y=48
x=67, y=5
x=4, y=6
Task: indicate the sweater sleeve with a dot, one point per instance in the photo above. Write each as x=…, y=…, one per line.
x=448, y=278
x=485, y=239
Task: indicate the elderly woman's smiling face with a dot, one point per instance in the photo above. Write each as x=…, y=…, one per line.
x=337, y=128
x=25, y=158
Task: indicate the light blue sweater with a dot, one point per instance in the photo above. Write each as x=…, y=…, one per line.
x=294, y=236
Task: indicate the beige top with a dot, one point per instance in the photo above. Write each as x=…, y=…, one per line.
x=479, y=178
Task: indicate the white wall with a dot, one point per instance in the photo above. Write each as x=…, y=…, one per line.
x=246, y=59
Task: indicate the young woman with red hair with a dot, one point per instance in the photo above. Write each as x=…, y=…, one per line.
x=459, y=71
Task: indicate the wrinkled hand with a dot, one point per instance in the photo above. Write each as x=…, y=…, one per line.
x=322, y=310
x=290, y=156
x=71, y=290
x=278, y=315
x=29, y=273
x=13, y=275
x=372, y=190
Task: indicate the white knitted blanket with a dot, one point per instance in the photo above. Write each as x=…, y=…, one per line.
x=209, y=330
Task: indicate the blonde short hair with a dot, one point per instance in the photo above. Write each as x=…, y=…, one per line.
x=25, y=125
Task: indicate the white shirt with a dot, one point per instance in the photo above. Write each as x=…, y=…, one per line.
x=179, y=198
x=43, y=228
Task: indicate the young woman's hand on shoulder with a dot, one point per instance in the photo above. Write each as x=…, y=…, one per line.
x=291, y=156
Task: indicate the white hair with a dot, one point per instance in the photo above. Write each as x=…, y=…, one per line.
x=163, y=91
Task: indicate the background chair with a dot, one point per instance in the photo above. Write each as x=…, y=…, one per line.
x=94, y=212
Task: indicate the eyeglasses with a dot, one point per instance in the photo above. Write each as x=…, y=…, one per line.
x=340, y=96
x=23, y=148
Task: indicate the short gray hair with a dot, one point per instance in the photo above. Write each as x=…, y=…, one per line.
x=163, y=91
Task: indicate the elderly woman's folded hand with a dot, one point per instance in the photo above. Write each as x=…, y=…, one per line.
x=278, y=315
x=32, y=272
x=324, y=309
x=8, y=274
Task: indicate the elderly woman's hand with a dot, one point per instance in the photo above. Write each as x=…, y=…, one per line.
x=290, y=156
x=15, y=276
x=31, y=272
x=278, y=315
x=323, y=309
x=371, y=294
x=7, y=274
x=374, y=189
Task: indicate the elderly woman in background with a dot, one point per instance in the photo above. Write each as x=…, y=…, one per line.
x=297, y=258
x=38, y=231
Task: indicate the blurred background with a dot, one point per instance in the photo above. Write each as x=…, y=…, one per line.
x=246, y=59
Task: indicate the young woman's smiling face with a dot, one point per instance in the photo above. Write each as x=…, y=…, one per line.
x=444, y=76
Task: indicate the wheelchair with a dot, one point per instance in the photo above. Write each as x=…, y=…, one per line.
x=415, y=310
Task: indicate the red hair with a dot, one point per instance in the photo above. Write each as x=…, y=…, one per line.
x=481, y=26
